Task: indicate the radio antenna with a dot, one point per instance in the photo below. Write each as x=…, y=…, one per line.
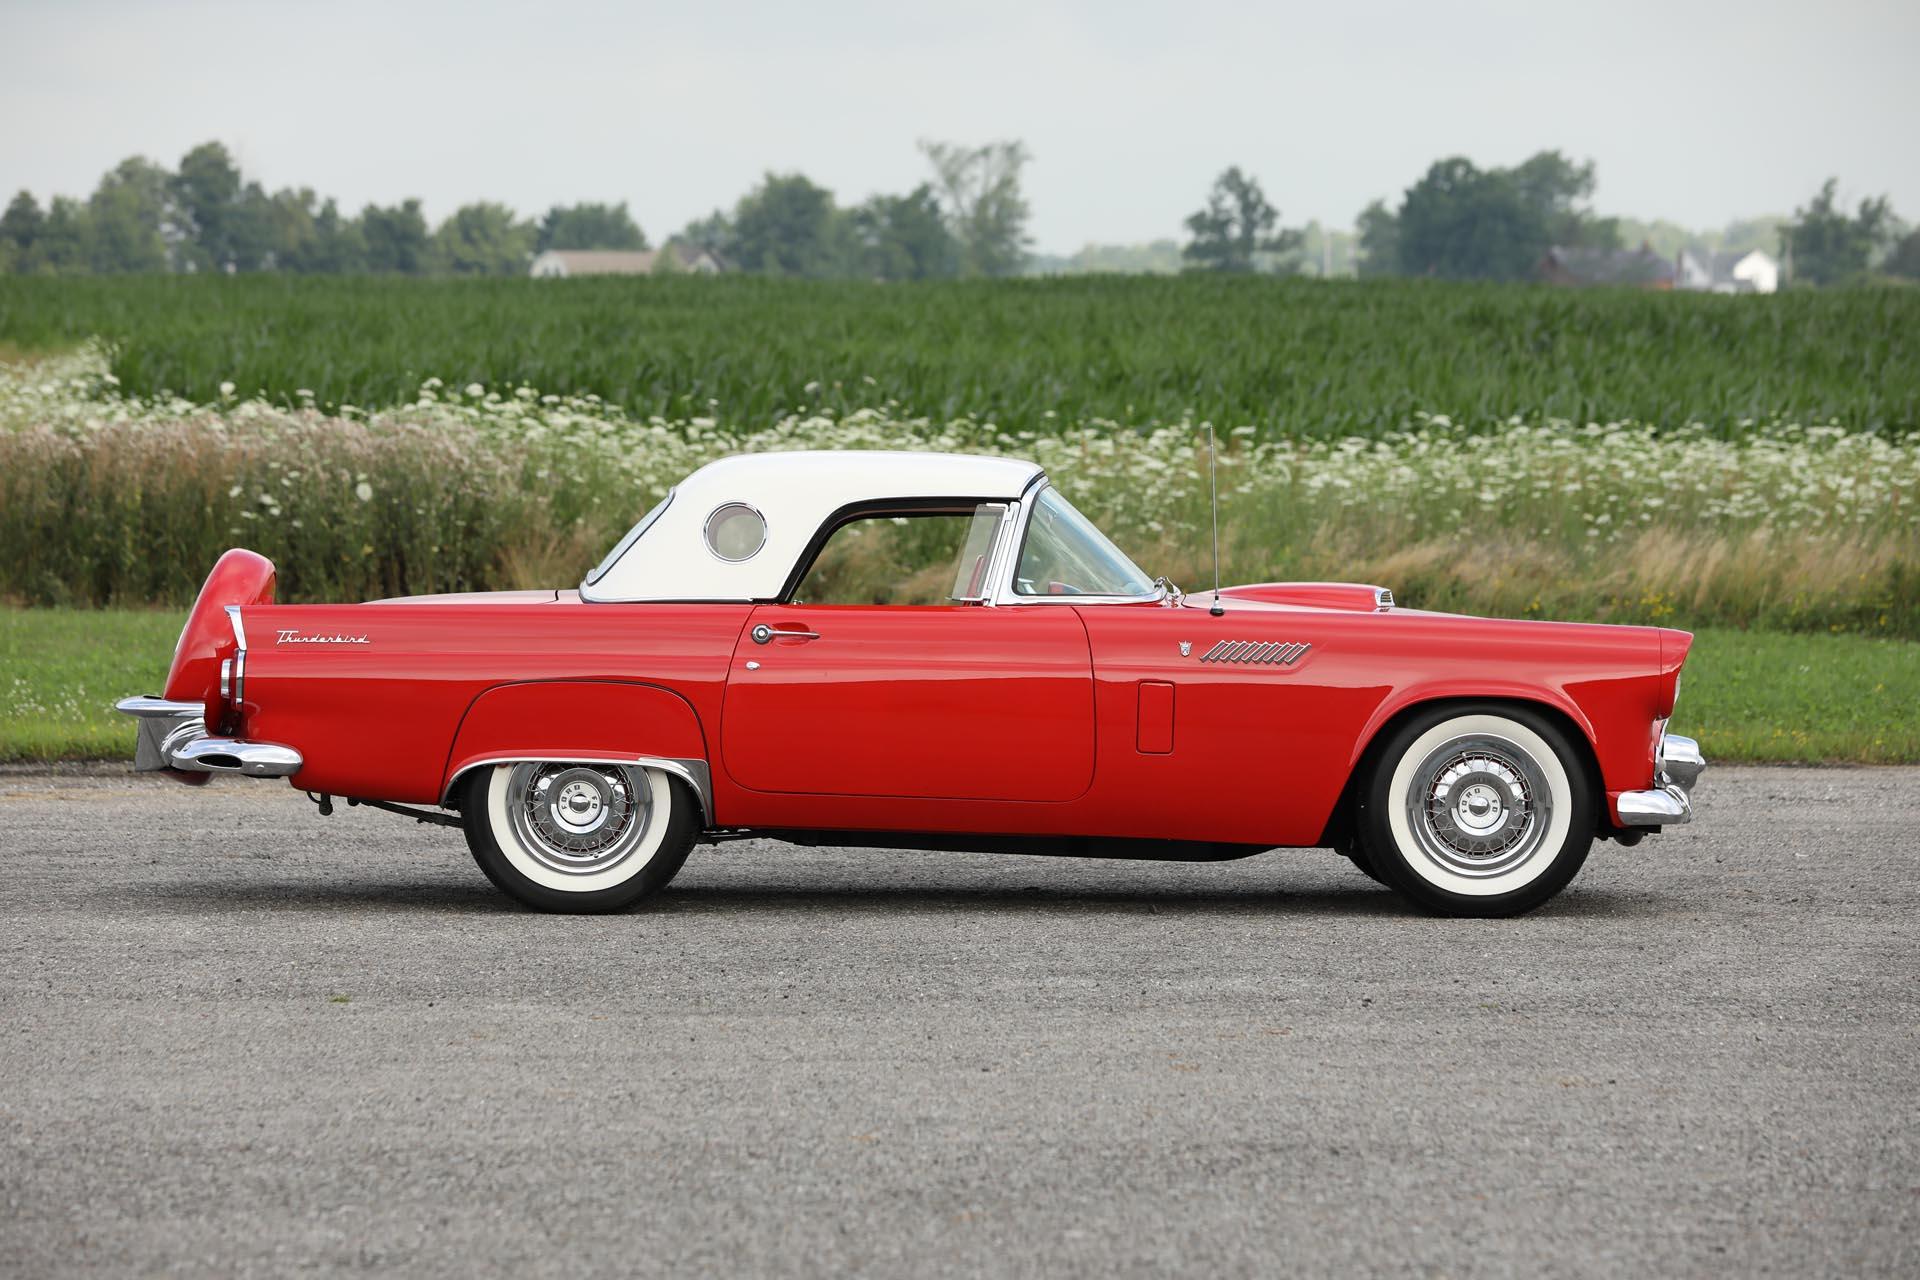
x=1213, y=484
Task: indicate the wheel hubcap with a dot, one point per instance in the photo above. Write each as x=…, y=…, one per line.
x=1478, y=806
x=579, y=818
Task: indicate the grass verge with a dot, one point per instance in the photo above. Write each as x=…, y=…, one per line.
x=1748, y=696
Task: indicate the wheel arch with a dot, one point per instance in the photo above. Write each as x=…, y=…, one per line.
x=591, y=721
x=1367, y=751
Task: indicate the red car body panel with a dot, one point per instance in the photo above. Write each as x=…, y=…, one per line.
x=1051, y=718
x=917, y=702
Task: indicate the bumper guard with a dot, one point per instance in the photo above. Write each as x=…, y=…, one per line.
x=1677, y=765
x=173, y=735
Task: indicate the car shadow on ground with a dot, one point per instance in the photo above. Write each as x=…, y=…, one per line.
x=440, y=897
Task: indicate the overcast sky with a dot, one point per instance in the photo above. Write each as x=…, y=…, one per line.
x=1694, y=111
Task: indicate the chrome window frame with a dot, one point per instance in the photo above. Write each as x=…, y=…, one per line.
x=730, y=506
x=1004, y=594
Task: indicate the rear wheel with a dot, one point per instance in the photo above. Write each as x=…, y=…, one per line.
x=578, y=837
x=1478, y=810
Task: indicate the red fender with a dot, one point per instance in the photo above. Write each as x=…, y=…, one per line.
x=239, y=577
x=578, y=720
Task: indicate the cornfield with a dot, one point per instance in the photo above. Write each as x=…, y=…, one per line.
x=1289, y=359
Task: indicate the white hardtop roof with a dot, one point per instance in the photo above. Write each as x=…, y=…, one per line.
x=795, y=493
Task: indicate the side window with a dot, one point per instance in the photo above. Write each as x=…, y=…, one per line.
x=906, y=557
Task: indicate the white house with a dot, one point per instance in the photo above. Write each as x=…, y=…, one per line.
x=562, y=263
x=1740, y=271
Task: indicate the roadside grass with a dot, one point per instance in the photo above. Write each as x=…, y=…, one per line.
x=61, y=671
x=1750, y=696
x=1769, y=697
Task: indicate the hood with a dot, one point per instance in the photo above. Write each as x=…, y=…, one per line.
x=1354, y=597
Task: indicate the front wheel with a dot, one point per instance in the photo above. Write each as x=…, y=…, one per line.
x=1478, y=811
x=578, y=837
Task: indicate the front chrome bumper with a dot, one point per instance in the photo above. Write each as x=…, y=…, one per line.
x=1676, y=767
x=173, y=735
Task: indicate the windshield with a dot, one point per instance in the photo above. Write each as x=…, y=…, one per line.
x=633, y=536
x=1065, y=555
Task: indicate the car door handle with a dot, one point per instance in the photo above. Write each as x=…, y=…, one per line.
x=763, y=633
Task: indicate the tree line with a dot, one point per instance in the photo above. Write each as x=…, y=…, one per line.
x=1461, y=222
x=968, y=219
x=1458, y=221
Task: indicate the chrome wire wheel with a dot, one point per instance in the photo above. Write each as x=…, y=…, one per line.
x=1478, y=810
x=1479, y=806
x=578, y=819
x=578, y=836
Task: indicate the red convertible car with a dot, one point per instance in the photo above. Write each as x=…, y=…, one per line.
x=931, y=651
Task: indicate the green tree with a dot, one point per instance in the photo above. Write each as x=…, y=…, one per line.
x=1904, y=259
x=131, y=212
x=1237, y=228
x=1828, y=247
x=980, y=190
x=64, y=244
x=1554, y=189
x=339, y=246
x=905, y=237
x=589, y=226
x=483, y=239
x=253, y=244
x=395, y=239
x=1379, y=230
x=1462, y=223
x=207, y=191
x=787, y=226
x=713, y=233
x=19, y=227
x=290, y=232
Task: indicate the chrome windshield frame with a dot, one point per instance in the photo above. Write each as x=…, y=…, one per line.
x=1016, y=529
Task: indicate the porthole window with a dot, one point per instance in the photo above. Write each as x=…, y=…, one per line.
x=736, y=532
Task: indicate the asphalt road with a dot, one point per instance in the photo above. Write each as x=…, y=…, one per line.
x=236, y=1038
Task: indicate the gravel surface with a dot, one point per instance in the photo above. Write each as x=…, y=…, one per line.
x=236, y=1038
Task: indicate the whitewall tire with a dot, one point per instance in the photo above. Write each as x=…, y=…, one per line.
x=577, y=836
x=1478, y=810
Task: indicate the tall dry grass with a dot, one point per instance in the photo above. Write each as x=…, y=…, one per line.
x=109, y=499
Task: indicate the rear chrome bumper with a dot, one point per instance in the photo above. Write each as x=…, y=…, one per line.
x=1677, y=764
x=173, y=735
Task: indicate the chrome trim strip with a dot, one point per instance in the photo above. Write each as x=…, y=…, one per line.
x=694, y=772
x=1666, y=806
x=231, y=755
x=238, y=692
x=149, y=706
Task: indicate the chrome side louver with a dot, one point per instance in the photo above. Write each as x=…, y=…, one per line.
x=1272, y=653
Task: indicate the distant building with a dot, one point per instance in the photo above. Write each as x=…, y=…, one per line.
x=1640, y=268
x=1740, y=271
x=563, y=263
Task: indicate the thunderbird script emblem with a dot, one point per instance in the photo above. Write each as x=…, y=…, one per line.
x=332, y=637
